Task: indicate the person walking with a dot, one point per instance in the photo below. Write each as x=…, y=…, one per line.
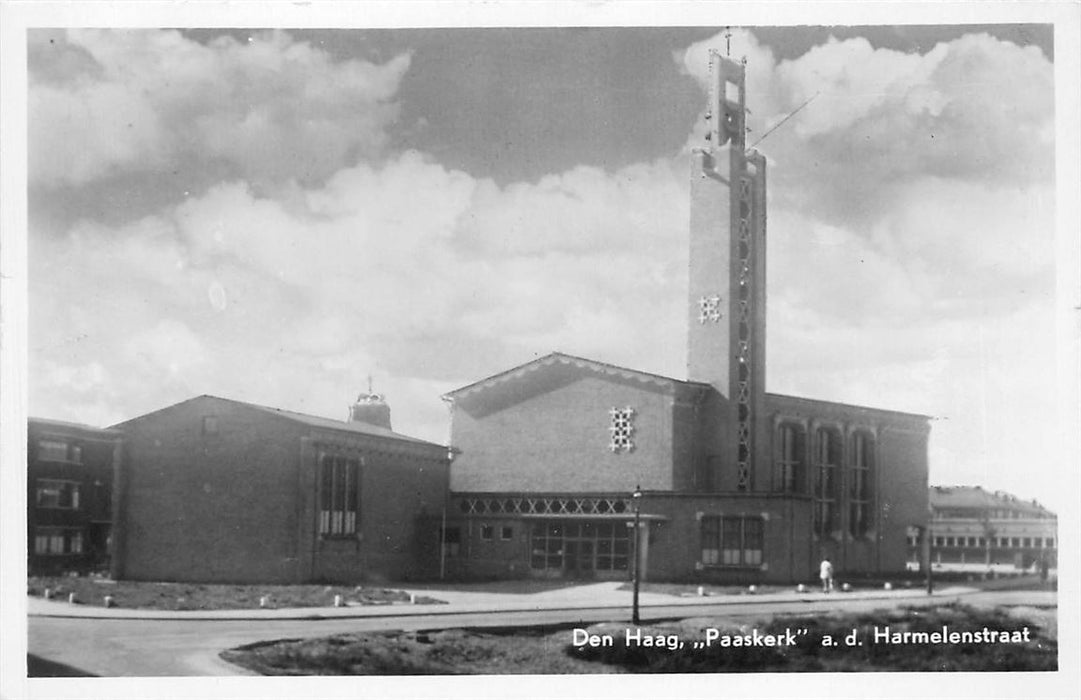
x=825, y=572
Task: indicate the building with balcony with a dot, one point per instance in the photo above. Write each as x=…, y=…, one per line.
x=69, y=496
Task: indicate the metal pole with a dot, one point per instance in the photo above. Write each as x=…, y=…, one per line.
x=443, y=546
x=637, y=550
x=927, y=558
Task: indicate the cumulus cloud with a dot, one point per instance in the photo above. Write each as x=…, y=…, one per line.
x=406, y=270
x=911, y=215
x=911, y=238
x=975, y=109
x=137, y=101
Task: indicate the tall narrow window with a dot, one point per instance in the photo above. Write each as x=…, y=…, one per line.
x=860, y=493
x=826, y=464
x=790, y=458
x=339, y=486
x=711, y=540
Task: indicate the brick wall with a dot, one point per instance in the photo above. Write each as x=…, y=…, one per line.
x=209, y=507
x=902, y=493
x=558, y=441
x=401, y=502
x=676, y=543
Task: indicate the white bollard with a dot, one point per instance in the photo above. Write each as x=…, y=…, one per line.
x=48, y=594
x=701, y=591
x=752, y=588
x=108, y=601
x=412, y=598
x=72, y=599
x=801, y=588
x=264, y=601
x=337, y=601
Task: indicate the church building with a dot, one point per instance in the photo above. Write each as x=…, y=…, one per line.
x=557, y=459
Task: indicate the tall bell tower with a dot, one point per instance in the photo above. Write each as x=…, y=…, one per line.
x=727, y=304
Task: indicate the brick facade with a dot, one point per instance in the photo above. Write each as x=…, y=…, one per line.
x=218, y=490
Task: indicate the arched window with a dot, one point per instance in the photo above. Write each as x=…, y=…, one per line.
x=827, y=461
x=861, y=491
x=790, y=458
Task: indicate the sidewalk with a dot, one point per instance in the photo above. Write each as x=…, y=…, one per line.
x=588, y=596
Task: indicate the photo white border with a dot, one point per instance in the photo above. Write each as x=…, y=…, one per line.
x=16, y=17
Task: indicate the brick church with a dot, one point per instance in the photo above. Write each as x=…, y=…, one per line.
x=552, y=463
x=730, y=483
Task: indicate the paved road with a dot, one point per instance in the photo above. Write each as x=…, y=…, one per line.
x=186, y=647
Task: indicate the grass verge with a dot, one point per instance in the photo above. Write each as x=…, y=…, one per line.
x=149, y=595
x=539, y=651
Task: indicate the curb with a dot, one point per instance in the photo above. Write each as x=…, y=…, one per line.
x=311, y=614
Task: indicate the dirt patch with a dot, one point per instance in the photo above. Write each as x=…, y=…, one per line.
x=785, y=644
x=448, y=652
x=147, y=595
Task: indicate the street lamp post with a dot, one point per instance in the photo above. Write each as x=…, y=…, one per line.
x=927, y=542
x=637, y=496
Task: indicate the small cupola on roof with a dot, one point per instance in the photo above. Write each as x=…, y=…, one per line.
x=371, y=408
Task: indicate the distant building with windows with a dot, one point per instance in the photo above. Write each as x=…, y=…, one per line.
x=729, y=483
x=212, y=489
x=69, y=496
x=975, y=527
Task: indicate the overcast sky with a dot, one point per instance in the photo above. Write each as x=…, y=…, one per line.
x=273, y=216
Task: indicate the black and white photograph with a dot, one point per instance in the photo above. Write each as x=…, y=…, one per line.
x=540, y=348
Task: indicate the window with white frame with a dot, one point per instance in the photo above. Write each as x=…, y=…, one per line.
x=732, y=540
x=54, y=450
x=57, y=493
x=55, y=541
x=339, y=495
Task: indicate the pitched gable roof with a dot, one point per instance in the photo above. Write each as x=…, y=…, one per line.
x=977, y=497
x=355, y=427
x=555, y=369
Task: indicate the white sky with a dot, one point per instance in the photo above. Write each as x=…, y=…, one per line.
x=272, y=217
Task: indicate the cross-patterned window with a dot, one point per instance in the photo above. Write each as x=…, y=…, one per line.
x=709, y=308
x=622, y=429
